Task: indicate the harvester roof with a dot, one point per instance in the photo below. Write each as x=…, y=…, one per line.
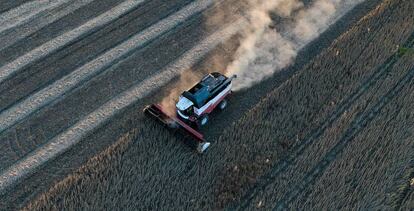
x=208, y=87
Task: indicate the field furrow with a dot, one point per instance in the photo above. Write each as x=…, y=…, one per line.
x=336, y=95
x=127, y=54
x=37, y=26
x=185, y=30
x=378, y=170
x=50, y=93
x=308, y=154
x=357, y=126
x=149, y=142
x=26, y=12
x=408, y=202
x=12, y=67
x=331, y=101
x=45, y=72
x=73, y=135
x=8, y=5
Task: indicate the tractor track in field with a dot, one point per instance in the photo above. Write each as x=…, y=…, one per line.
x=92, y=124
x=6, y=6
x=283, y=165
x=26, y=13
x=76, y=78
x=64, y=94
x=14, y=145
x=29, y=135
x=49, y=25
x=61, y=125
x=119, y=58
x=12, y=68
x=86, y=39
x=16, y=34
x=74, y=134
x=360, y=122
x=15, y=90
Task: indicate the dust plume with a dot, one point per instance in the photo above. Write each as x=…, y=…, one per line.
x=186, y=80
x=264, y=50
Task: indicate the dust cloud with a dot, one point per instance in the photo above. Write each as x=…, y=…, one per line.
x=264, y=50
x=186, y=80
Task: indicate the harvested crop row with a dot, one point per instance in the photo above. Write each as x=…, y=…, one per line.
x=26, y=12
x=296, y=120
x=75, y=133
x=154, y=63
x=51, y=40
x=9, y=5
x=33, y=27
x=151, y=174
x=149, y=142
x=68, y=99
x=39, y=67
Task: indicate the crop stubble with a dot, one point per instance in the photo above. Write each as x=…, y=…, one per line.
x=293, y=118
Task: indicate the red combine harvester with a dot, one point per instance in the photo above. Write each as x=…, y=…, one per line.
x=194, y=106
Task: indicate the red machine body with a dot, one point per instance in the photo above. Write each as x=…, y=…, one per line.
x=194, y=106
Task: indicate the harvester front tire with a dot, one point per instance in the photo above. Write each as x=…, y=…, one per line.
x=223, y=105
x=203, y=121
x=202, y=147
x=173, y=125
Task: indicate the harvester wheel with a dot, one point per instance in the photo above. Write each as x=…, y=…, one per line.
x=202, y=147
x=173, y=125
x=223, y=104
x=203, y=120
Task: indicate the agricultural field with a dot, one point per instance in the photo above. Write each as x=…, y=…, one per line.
x=329, y=128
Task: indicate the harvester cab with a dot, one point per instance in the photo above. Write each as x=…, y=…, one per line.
x=195, y=105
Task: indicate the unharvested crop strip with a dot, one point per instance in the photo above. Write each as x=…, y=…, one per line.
x=13, y=67
x=299, y=149
x=26, y=12
x=9, y=38
x=360, y=122
x=36, y=101
x=74, y=134
x=284, y=163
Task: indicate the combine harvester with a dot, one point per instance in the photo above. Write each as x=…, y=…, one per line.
x=194, y=106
